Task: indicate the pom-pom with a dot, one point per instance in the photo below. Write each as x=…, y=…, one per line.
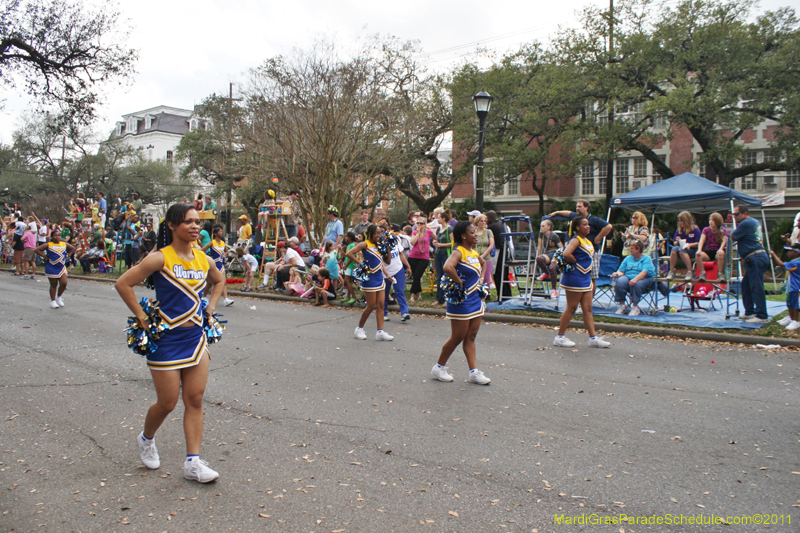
x=453, y=292
x=483, y=291
x=386, y=244
x=142, y=341
x=561, y=262
x=212, y=326
x=361, y=272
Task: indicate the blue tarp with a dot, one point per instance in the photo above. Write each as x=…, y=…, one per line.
x=685, y=317
x=685, y=192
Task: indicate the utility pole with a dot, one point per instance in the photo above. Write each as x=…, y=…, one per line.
x=610, y=107
x=229, y=183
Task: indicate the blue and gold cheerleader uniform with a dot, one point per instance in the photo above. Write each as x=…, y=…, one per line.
x=375, y=262
x=56, y=265
x=179, y=288
x=217, y=252
x=468, y=269
x=579, y=279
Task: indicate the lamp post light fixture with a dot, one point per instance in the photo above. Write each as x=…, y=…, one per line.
x=483, y=102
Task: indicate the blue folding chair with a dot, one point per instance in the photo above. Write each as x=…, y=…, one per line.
x=604, y=288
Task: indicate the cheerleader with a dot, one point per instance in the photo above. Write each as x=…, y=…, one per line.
x=465, y=317
x=179, y=365
x=55, y=255
x=373, y=288
x=577, y=284
x=215, y=249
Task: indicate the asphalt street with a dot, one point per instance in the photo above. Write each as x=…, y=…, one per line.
x=315, y=431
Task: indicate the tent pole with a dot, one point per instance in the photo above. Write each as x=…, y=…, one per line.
x=765, y=234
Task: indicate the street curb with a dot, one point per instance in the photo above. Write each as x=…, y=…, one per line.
x=712, y=336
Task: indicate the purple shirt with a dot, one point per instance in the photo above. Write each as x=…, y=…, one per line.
x=692, y=237
x=711, y=242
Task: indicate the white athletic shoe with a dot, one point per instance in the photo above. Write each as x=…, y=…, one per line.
x=383, y=336
x=793, y=325
x=563, y=341
x=440, y=373
x=148, y=452
x=59, y=301
x=622, y=310
x=478, y=377
x=599, y=343
x=53, y=305
x=227, y=301
x=360, y=334
x=785, y=321
x=198, y=470
x=635, y=311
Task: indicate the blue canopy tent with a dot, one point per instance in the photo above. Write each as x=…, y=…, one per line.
x=686, y=192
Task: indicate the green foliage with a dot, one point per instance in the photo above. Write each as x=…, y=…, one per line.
x=460, y=209
x=777, y=229
x=708, y=66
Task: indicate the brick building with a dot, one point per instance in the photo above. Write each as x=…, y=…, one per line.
x=514, y=195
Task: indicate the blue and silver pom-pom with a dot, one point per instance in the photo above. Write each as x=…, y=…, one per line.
x=391, y=240
x=212, y=326
x=483, y=291
x=453, y=292
x=142, y=341
x=361, y=272
x=561, y=262
x=387, y=243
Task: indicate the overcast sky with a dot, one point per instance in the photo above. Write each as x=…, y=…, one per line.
x=190, y=49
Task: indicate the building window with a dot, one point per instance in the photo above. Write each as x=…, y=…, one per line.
x=640, y=167
x=512, y=187
x=793, y=179
x=621, y=177
x=656, y=176
x=660, y=120
x=601, y=185
x=749, y=181
x=169, y=157
x=587, y=186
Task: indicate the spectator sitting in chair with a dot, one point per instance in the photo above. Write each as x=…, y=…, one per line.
x=685, y=240
x=713, y=243
x=270, y=268
x=634, y=277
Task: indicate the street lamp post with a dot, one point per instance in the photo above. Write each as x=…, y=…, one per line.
x=483, y=102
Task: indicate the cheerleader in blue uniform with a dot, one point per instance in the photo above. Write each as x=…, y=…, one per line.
x=373, y=288
x=55, y=255
x=179, y=272
x=577, y=284
x=215, y=249
x=465, y=317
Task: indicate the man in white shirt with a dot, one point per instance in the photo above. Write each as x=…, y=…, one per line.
x=397, y=269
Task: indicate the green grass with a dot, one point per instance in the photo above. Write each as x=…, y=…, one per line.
x=428, y=298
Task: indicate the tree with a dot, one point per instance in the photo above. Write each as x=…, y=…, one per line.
x=343, y=130
x=535, y=123
x=702, y=65
x=60, y=51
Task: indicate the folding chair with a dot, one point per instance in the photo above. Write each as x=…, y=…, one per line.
x=709, y=291
x=650, y=297
x=603, y=284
